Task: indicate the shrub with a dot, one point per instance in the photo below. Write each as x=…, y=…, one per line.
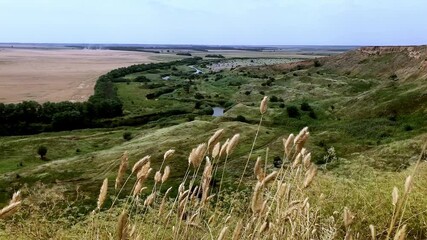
x=306, y=107
x=42, y=151
x=190, y=118
x=141, y=79
x=241, y=118
x=228, y=104
x=277, y=162
x=207, y=111
x=408, y=128
x=127, y=136
x=330, y=156
x=198, y=96
x=393, y=77
x=312, y=114
x=293, y=112
x=274, y=99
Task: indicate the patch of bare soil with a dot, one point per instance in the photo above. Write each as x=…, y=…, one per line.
x=58, y=74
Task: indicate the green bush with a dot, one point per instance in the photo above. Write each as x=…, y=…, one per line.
x=241, y=118
x=306, y=107
x=127, y=136
x=293, y=112
x=408, y=128
x=42, y=151
x=274, y=99
x=312, y=114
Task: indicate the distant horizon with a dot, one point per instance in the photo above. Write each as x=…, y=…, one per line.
x=197, y=44
x=217, y=45
x=219, y=22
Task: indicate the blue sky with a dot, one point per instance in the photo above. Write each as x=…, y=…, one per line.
x=246, y=22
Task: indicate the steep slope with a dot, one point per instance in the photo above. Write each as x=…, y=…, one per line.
x=394, y=63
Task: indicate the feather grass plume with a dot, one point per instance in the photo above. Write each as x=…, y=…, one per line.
x=122, y=170
x=263, y=105
x=102, y=193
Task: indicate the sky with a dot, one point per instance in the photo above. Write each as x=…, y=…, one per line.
x=215, y=22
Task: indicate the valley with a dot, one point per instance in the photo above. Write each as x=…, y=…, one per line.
x=366, y=111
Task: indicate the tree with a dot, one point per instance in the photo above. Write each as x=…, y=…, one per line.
x=42, y=151
x=67, y=120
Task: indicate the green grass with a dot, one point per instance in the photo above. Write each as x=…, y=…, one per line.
x=23, y=149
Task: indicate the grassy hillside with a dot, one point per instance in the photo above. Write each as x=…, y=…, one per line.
x=367, y=127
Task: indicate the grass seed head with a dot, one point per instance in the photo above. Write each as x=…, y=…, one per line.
x=16, y=197
x=222, y=233
x=196, y=156
x=144, y=171
x=124, y=163
x=311, y=173
x=408, y=184
x=166, y=174
x=168, y=154
x=9, y=209
x=258, y=171
x=138, y=188
x=150, y=199
x=297, y=161
x=257, y=198
x=263, y=105
x=102, y=193
x=233, y=143
x=395, y=196
x=373, y=232
x=138, y=165
x=401, y=233
x=288, y=144
x=224, y=147
x=270, y=178
x=216, y=149
x=122, y=226
x=158, y=177
x=307, y=160
x=215, y=138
